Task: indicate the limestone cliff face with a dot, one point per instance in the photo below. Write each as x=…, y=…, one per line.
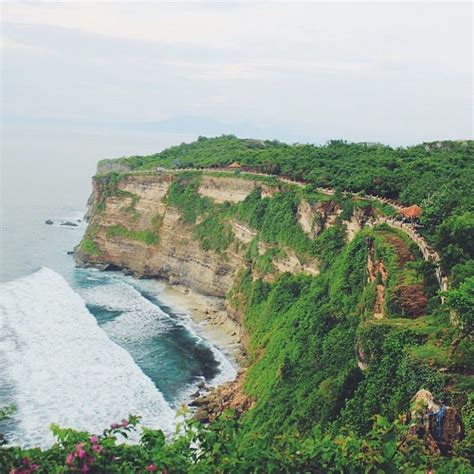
x=315, y=217
x=178, y=257
x=223, y=188
x=376, y=272
x=120, y=217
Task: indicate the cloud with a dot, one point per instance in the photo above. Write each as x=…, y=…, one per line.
x=362, y=71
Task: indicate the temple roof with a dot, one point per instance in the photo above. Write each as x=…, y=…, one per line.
x=411, y=211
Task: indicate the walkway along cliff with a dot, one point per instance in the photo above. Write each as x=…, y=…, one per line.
x=235, y=195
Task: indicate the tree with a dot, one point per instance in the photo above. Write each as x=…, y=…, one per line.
x=461, y=300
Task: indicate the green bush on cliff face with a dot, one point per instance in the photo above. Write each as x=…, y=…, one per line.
x=88, y=245
x=148, y=236
x=214, y=233
x=183, y=193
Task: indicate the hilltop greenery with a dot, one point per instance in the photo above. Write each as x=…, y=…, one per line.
x=437, y=176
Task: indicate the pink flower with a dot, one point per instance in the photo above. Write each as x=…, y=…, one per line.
x=151, y=468
x=114, y=426
x=124, y=422
x=85, y=469
x=94, y=439
x=70, y=459
x=97, y=448
x=80, y=450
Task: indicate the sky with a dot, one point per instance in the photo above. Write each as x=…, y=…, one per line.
x=82, y=81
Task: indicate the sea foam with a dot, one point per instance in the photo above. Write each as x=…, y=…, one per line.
x=141, y=319
x=62, y=366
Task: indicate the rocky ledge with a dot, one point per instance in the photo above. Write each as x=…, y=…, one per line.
x=211, y=402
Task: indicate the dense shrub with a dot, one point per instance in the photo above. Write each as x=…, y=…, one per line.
x=223, y=447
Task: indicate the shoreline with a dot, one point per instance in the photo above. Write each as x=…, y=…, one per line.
x=209, y=316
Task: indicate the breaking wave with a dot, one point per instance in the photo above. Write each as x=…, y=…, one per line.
x=59, y=366
x=165, y=345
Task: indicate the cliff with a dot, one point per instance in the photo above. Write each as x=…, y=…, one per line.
x=133, y=228
x=138, y=206
x=336, y=305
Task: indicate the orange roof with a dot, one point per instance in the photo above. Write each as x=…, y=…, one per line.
x=234, y=165
x=412, y=211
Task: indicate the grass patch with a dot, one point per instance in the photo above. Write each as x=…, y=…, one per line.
x=432, y=353
x=183, y=194
x=148, y=236
x=214, y=233
x=89, y=247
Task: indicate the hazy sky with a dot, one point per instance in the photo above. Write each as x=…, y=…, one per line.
x=83, y=81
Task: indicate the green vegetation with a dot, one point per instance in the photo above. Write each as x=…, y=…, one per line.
x=130, y=209
x=304, y=351
x=461, y=301
x=321, y=368
x=183, y=193
x=382, y=208
x=148, y=236
x=214, y=233
x=221, y=448
x=88, y=245
x=108, y=187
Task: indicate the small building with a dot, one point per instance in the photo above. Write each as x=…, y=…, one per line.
x=234, y=166
x=411, y=213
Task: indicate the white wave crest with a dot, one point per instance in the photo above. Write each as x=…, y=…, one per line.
x=64, y=368
x=141, y=319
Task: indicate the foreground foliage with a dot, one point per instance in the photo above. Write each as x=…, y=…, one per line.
x=222, y=447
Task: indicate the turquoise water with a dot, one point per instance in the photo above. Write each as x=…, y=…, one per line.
x=164, y=344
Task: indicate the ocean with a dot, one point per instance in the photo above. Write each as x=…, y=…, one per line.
x=82, y=348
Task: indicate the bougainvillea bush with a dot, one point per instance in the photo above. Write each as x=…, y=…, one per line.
x=223, y=447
